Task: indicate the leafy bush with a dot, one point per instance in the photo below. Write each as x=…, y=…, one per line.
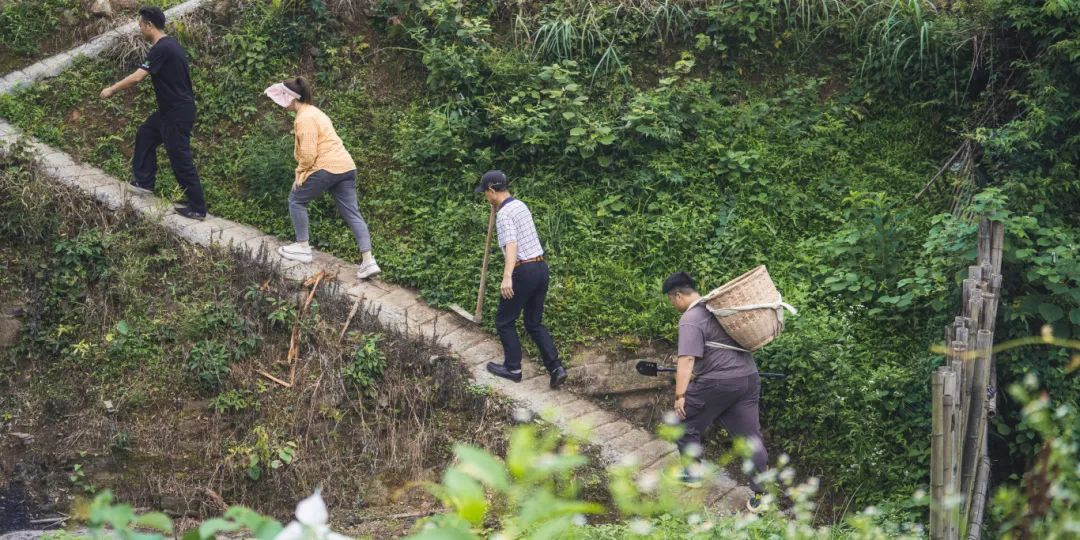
x=233, y=401
x=366, y=365
x=23, y=23
x=208, y=364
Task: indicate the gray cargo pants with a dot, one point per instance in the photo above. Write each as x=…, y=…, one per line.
x=343, y=188
x=735, y=403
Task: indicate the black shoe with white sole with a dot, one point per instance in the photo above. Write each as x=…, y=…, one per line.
x=191, y=214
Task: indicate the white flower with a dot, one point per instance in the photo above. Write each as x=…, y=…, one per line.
x=694, y=450
x=310, y=523
x=312, y=511
x=787, y=475
x=647, y=482
x=292, y=531
x=640, y=527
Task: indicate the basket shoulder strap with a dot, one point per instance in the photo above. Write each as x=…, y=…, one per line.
x=779, y=306
x=718, y=345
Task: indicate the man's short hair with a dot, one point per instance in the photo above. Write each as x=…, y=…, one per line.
x=154, y=16
x=679, y=282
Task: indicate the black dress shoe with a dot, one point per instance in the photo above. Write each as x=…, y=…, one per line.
x=191, y=214
x=145, y=190
x=500, y=370
x=558, y=377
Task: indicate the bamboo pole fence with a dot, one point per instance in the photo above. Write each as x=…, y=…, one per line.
x=964, y=398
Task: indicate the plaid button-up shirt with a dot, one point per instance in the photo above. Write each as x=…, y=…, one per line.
x=514, y=223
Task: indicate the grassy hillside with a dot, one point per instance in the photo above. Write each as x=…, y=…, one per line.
x=139, y=371
x=655, y=136
x=31, y=30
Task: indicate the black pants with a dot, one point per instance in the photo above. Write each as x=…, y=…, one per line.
x=173, y=129
x=530, y=288
x=735, y=403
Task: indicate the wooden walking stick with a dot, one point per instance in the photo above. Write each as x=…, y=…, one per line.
x=479, y=314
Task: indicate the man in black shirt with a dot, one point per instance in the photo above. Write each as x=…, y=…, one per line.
x=171, y=124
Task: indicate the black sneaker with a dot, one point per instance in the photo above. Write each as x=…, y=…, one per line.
x=500, y=370
x=139, y=188
x=558, y=377
x=191, y=214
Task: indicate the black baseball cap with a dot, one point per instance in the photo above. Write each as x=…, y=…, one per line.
x=493, y=180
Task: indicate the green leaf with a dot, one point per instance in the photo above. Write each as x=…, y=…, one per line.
x=122, y=328
x=156, y=521
x=264, y=528
x=1050, y=312
x=1074, y=316
x=211, y=527
x=465, y=495
x=482, y=466
x=577, y=132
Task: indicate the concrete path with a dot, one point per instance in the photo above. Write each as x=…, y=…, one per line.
x=397, y=307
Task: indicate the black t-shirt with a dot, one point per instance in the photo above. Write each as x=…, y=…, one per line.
x=168, y=67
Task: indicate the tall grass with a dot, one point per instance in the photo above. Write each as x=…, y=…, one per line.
x=896, y=37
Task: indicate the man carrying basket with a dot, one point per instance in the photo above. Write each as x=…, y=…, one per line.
x=715, y=379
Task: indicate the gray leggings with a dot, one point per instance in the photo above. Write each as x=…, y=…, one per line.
x=343, y=188
x=735, y=403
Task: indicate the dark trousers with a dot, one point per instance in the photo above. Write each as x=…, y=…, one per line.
x=173, y=129
x=530, y=288
x=735, y=403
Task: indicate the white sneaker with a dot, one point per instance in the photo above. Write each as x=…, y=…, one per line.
x=295, y=252
x=368, y=270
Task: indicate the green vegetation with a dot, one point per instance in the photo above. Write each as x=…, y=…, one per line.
x=30, y=30
x=138, y=371
x=533, y=494
x=654, y=136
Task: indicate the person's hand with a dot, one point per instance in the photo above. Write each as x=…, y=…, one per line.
x=107, y=93
x=507, y=287
x=680, y=407
x=296, y=184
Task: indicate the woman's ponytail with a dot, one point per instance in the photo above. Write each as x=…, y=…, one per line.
x=301, y=86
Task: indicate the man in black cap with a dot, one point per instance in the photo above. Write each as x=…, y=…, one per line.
x=524, y=284
x=171, y=124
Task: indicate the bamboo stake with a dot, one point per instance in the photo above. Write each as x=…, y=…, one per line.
x=984, y=241
x=959, y=350
x=352, y=313
x=949, y=403
x=937, y=454
x=976, y=422
x=275, y=379
x=997, y=243
x=978, y=501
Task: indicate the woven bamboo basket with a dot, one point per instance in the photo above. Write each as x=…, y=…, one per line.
x=755, y=328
